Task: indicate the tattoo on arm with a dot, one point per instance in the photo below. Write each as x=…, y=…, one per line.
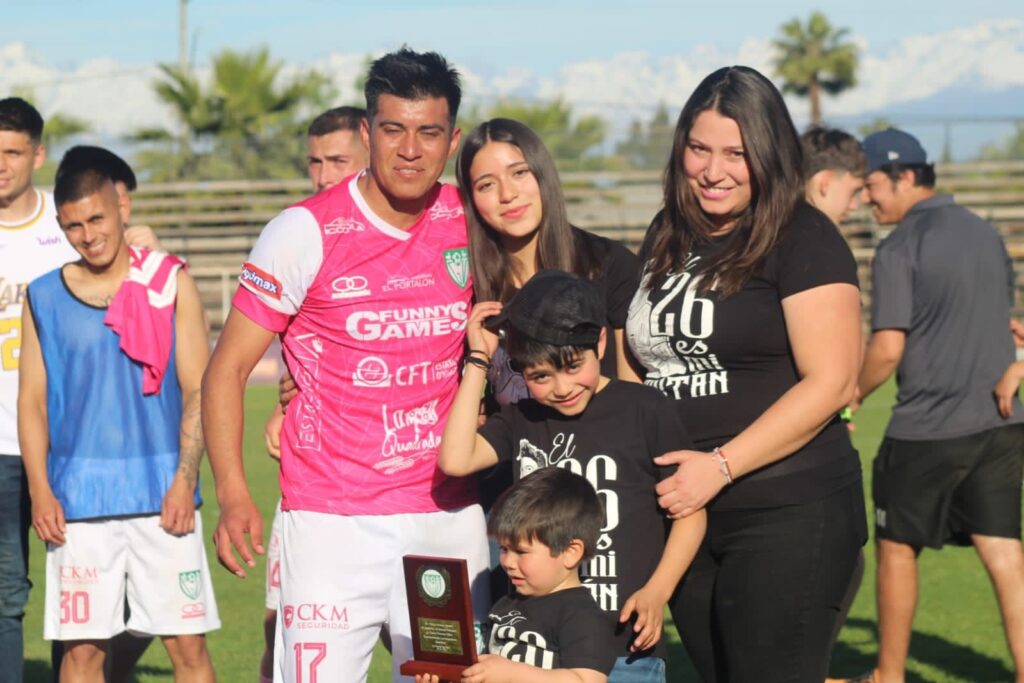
x=191, y=436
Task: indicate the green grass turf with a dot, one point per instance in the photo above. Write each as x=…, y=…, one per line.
x=957, y=633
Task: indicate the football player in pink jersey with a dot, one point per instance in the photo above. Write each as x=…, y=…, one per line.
x=368, y=284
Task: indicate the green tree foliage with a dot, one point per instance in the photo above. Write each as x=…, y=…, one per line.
x=59, y=126
x=568, y=141
x=815, y=57
x=875, y=125
x=57, y=129
x=648, y=146
x=1010, y=149
x=247, y=123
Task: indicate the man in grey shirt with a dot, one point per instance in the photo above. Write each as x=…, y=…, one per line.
x=949, y=469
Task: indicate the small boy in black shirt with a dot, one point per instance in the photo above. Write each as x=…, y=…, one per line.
x=605, y=430
x=546, y=526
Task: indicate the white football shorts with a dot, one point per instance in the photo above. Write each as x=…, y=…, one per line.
x=165, y=578
x=342, y=578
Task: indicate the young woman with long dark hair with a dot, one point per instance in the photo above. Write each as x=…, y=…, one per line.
x=748, y=316
x=518, y=225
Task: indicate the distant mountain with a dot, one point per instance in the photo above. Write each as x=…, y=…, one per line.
x=970, y=116
x=968, y=77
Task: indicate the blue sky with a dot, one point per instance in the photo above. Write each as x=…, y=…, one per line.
x=536, y=34
x=925, y=65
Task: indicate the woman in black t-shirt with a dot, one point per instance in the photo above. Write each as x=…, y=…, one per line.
x=518, y=225
x=748, y=316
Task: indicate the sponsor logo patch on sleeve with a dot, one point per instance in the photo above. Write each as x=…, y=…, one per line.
x=259, y=281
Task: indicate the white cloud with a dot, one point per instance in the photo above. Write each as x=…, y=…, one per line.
x=114, y=98
x=988, y=55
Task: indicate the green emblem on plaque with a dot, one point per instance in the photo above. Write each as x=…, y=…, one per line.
x=435, y=585
x=457, y=263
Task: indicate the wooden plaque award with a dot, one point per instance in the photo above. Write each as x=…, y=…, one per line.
x=441, y=616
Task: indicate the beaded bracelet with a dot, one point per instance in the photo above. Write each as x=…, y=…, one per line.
x=473, y=360
x=723, y=464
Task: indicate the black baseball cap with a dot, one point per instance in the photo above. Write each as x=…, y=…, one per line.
x=555, y=307
x=892, y=146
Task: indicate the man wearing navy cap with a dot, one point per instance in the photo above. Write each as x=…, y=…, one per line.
x=949, y=469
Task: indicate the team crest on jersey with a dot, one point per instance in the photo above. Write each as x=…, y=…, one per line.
x=189, y=583
x=457, y=263
x=261, y=281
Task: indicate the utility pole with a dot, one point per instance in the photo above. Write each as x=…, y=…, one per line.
x=182, y=37
x=185, y=147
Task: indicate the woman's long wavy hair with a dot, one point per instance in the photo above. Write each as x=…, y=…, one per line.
x=774, y=159
x=494, y=270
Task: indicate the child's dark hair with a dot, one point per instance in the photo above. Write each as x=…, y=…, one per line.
x=551, y=505
x=412, y=75
x=525, y=351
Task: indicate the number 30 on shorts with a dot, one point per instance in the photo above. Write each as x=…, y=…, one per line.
x=74, y=607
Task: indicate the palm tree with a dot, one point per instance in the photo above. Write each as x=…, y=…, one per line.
x=247, y=123
x=814, y=57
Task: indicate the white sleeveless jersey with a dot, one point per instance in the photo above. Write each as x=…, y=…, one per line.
x=28, y=249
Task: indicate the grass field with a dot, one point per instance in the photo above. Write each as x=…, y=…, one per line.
x=957, y=634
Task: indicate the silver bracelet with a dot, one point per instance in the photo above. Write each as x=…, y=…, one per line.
x=723, y=464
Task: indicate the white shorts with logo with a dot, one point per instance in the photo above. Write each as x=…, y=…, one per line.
x=273, y=583
x=342, y=578
x=165, y=578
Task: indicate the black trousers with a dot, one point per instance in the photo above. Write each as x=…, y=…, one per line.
x=762, y=598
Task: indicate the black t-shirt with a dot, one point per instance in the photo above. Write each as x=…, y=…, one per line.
x=560, y=630
x=617, y=278
x=612, y=444
x=725, y=361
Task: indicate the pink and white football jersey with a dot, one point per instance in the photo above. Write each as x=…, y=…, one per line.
x=372, y=320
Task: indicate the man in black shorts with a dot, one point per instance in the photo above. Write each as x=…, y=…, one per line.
x=950, y=467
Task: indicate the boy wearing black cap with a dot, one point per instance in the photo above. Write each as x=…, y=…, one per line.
x=606, y=430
